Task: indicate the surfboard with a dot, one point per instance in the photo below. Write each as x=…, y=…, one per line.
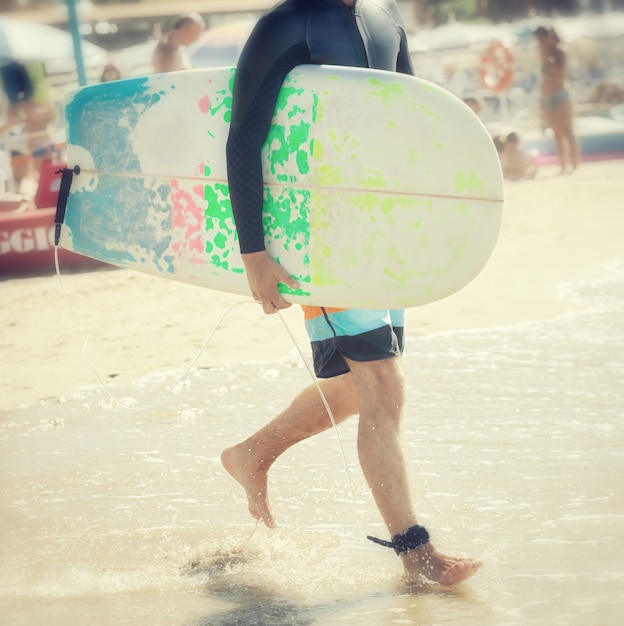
x=381, y=190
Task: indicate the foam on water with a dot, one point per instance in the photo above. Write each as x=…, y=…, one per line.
x=516, y=442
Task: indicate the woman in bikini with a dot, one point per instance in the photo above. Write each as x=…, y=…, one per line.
x=556, y=102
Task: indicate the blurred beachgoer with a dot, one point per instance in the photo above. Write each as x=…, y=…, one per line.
x=356, y=352
x=475, y=103
x=556, y=100
x=6, y=174
x=515, y=161
x=169, y=55
x=30, y=109
x=499, y=143
x=110, y=72
x=21, y=166
x=456, y=80
x=37, y=118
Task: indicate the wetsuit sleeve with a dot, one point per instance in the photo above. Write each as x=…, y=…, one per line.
x=404, y=61
x=273, y=49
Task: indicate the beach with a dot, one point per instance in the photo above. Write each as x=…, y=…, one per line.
x=556, y=229
x=114, y=508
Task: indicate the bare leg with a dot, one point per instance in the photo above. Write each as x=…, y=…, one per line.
x=554, y=123
x=567, y=128
x=381, y=390
x=560, y=144
x=380, y=386
x=376, y=389
x=562, y=124
x=249, y=461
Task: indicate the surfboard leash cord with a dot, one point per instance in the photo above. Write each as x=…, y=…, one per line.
x=105, y=387
x=185, y=373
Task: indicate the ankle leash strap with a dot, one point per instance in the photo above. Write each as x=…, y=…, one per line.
x=409, y=539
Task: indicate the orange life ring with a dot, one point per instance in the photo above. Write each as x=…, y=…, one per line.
x=497, y=67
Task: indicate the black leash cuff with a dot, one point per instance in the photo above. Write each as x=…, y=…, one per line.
x=67, y=176
x=409, y=539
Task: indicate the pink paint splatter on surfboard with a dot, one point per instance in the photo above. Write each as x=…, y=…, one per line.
x=204, y=104
x=187, y=222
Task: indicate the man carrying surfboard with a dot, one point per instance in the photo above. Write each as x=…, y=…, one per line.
x=355, y=351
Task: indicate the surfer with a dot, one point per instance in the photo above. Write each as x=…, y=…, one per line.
x=169, y=55
x=556, y=101
x=356, y=352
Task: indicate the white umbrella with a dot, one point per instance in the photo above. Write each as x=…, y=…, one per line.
x=587, y=26
x=24, y=41
x=457, y=36
x=601, y=26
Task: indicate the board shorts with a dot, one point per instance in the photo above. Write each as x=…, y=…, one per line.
x=357, y=334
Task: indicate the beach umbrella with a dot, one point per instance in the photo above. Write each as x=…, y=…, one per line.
x=601, y=26
x=458, y=36
x=220, y=45
x=571, y=29
x=24, y=41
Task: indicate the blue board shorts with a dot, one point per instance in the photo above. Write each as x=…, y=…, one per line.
x=357, y=334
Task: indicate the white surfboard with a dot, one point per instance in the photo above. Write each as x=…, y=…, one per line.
x=381, y=189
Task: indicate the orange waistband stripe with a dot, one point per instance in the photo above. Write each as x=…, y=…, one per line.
x=310, y=312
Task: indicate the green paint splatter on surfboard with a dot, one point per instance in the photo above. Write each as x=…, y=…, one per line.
x=385, y=92
x=467, y=181
x=220, y=225
x=221, y=104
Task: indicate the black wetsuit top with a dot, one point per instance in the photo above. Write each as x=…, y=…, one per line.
x=298, y=32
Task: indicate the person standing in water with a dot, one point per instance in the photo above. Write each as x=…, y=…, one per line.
x=556, y=101
x=169, y=55
x=356, y=352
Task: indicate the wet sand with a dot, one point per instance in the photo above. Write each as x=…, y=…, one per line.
x=110, y=515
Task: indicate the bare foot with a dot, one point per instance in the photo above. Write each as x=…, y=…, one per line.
x=240, y=465
x=427, y=562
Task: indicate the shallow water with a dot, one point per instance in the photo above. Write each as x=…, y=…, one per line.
x=516, y=442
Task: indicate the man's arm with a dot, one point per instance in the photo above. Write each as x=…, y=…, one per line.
x=272, y=50
x=404, y=61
